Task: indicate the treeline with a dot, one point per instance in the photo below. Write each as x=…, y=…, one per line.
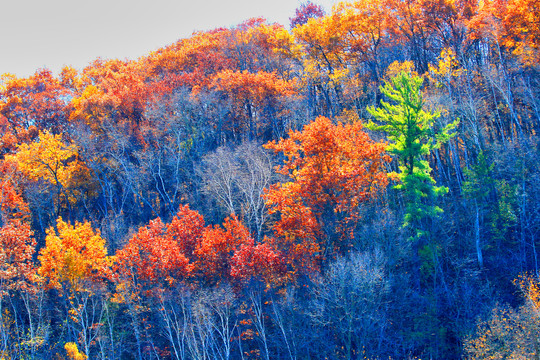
x=363, y=185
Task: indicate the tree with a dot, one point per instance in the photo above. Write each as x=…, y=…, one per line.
x=412, y=134
x=152, y=259
x=17, y=243
x=236, y=179
x=332, y=170
x=74, y=261
x=73, y=257
x=30, y=104
x=510, y=24
x=254, y=102
x=218, y=246
x=348, y=303
x=306, y=11
x=509, y=333
x=259, y=261
x=54, y=161
x=477, y=188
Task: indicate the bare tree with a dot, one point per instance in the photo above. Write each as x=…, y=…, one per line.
x=236, y=179
x=348, y=301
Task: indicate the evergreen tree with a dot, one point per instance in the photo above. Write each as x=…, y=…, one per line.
x=412, y=135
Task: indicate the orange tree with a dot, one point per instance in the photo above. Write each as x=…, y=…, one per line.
x=332, y=170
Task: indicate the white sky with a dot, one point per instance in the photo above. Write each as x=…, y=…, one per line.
x=53, y=33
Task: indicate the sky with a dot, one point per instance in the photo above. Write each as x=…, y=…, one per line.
x=52, y=33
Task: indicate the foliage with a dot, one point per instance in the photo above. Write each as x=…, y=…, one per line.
x=54, y=161
x=332, y=170
x=73, y=256
x=152, y=257
x=413, y=136
x=73, y=352
x=126, y=144
x=509, y=333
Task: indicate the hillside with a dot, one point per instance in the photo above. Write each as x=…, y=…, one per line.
x=358, y=184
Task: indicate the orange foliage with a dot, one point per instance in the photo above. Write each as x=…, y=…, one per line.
x=17, y=247
x=530, y=286
x=514, y=24
x=257, y=261
x=163, y=255
x=12, y=205
x=217, y=247
x=17, y=244
x=27, y=104
x=363, y=27
x=186, y=229
x=114, y=89
x=73, y=352
x=250, y=94
x=332, y=170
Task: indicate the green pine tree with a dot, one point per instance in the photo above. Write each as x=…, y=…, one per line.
x=412, y=136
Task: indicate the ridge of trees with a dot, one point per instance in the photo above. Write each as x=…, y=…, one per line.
x=258, y=192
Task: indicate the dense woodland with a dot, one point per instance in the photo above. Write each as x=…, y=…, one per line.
x=357, y=184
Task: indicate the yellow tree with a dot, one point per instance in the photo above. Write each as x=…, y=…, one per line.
x=74, y=261
x=364, y=28
x=54, y=161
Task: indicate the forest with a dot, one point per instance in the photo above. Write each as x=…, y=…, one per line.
x=361, y=183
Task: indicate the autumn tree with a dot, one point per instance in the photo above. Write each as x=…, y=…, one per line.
x=28, y=105
x=74, y=261
x=56, y=162
x=254, y=101
x=152, y=258
x=364, y=28
x=217, y=247
x=332, y=171
x=508, y=24
x=324, y=63
x=509, y=332
x=306, y=11
x=73, y=256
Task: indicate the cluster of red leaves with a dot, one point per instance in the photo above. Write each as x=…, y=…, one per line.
x=160, y=255
x=17, y=243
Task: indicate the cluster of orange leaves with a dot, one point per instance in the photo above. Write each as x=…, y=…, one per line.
x=332, y=170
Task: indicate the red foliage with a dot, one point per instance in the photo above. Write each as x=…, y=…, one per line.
x=17, y=248
x=260, y=261
x=151, y=258
x=186, y=229
x=218, y=246
x=26, y=104
x=305, y=12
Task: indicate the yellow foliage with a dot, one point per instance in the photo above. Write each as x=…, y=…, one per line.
x=72, y=254
x=51, y=159
x=398, y=67
x=447, y=68
x=73, y=352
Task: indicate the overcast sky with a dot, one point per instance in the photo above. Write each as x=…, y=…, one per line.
x=52, y=33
